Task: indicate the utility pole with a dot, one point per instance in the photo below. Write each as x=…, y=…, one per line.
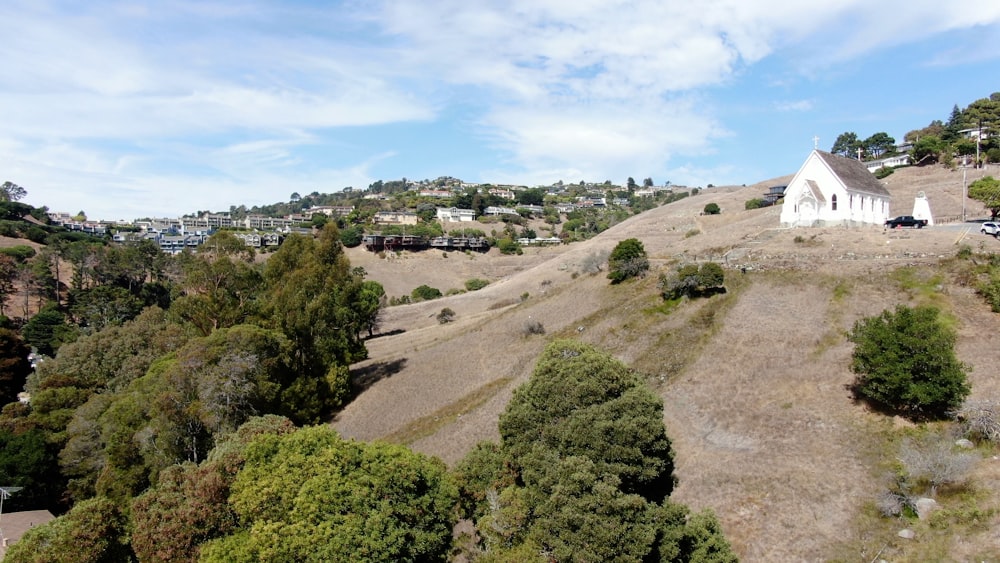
x=965, y=166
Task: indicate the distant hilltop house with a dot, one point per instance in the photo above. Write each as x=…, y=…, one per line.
x=831, y=190
x=455, y=214
x=888, y=162
x=395, y=218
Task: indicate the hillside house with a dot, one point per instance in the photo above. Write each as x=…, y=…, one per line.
x=831, y=190
x=455, y=214
x=395, y=218
x=888, y=162
x=497, y=210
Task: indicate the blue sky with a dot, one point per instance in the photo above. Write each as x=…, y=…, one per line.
x=158, y=108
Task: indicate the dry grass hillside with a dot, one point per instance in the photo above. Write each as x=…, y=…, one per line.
x=753, y=381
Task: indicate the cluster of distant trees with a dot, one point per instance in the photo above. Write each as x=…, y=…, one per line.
x=940, y=141
x=156, y=358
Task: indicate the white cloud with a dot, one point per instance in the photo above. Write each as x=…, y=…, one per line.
x=797, y=105
x=206, y=100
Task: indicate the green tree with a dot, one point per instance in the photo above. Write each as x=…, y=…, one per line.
x=533, y=196
x=28, y=460
x=8, y=273
x=928, y=149
x=905, y=360
x=580, y=402
x=219, y=291
x=693, y=281
x=627, y=260
x=312, y=496
x=953, y=125
x=351, y=235
x=712, y=209
x=313, y=297
x=847, y=144
x=371, y=301
x=987, y=191
x=47, y=331
x=425, y=293
x=103, y=306
x=94, y=531
x=583, y=471
x=189, y=504
x=10, y=191
x=14, y=365
x=878, y=144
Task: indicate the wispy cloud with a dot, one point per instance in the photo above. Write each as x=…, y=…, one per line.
x=186, y=104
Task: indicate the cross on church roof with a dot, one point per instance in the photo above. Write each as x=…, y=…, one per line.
x=815, y=142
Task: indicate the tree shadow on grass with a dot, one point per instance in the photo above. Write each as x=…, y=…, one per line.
x=386, y=333
x=365, y=377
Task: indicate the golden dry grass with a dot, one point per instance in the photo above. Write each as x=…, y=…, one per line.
x=754, y=382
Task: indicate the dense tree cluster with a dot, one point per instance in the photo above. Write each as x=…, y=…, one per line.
x=155, y=359
x=583, y=471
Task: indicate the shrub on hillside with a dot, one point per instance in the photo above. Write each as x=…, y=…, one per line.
x=475, y=284
x=712, y=209
x=351, y=236
x=509, y=246
x=883, y=172
x=532, y=326
x=905, y=361
x=21, y=252
x=445, y=316
x=425, y=293
x=755, y=203
x=627, y=260
x=694, y=281
x=979, y=420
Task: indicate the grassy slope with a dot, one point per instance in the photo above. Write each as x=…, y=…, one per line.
x=753, y=382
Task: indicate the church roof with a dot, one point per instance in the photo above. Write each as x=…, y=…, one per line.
x=853, y=174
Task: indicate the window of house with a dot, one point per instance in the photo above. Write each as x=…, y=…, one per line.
x=833, y=202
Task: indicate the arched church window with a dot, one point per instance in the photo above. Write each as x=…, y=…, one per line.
x=833, y=202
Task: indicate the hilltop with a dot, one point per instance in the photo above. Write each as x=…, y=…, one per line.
x=754, y=381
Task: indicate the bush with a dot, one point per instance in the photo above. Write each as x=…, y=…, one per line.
x=905, y=361
x=351, y=236
x=933, y=462
x=883, y=172
x=509, y=246
x=627, y=260
x=593, y=262
x=755, y=203
x=692, y=281
x=980, y=420
x=532, y=326
x=425, y=293
x=445, y=316
x=401, y=300
x=712, y=209
x=476, y=284
x=21, y=252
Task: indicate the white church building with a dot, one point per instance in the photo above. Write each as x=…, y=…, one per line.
x=831, y=190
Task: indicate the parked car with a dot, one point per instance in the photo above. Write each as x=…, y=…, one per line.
x=990, y=228
x=906, y=221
